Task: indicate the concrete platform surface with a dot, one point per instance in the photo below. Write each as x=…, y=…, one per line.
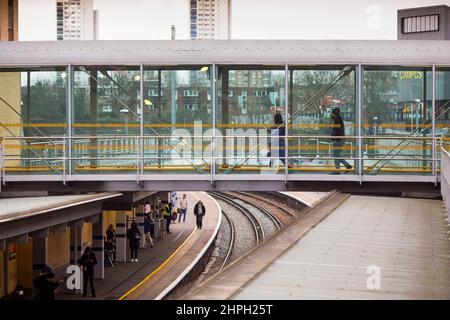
x=233, y=277
x=368, y=248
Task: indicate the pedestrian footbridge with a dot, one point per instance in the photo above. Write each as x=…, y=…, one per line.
x=201, y=115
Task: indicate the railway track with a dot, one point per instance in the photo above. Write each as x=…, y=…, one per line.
x=279, y=210
x=245, y=226
x=231, y=242
x=256, y=225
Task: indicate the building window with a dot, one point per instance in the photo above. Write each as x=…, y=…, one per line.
x=191, y=106
x=153, y=93
x=190, y=93
x=420, y=24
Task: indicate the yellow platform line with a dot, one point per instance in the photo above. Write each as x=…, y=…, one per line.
x=148, y=277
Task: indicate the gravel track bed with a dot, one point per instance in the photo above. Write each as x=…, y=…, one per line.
x=271, y=207
x=267, y=224
x=245, y=234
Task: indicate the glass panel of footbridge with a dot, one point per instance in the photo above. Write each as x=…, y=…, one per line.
x=322, y=121
x=33, y=119
x=250, y=106
x=106, y=119
x=397, y=120
x=442, y=110
x=177, y=119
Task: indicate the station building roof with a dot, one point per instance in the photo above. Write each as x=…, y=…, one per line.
x=25, y=207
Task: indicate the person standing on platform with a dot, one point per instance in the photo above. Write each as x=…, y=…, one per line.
x=147, y=227
x=199, y=212
x=174, y=202
x=45, y=285
x=167, y=214
x=110, y=243
x=183, y=208
x=151, y=216
x=87, y=262
x=134, y=235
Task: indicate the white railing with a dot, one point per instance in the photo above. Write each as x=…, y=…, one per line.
x=445, y=178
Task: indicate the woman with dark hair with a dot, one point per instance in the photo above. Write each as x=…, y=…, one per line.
x=277, y=142
x=338, y=131
x=134, y=235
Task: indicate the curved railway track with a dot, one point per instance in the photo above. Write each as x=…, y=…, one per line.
x=273, y=217
x=246, y=225
x=272, y=203
x=231, y=241
x=257, y=227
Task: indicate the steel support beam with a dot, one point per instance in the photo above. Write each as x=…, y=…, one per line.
x=43, y=233
x=359, y=84
x=433, y=124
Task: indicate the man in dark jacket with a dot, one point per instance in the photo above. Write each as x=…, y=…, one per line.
x=45, y=285
x=338, y=131
x=167, y=214
x=134, y=235
x=199, y=212
x=147, y=231
x=87, y=262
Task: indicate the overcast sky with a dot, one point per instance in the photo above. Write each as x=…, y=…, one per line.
x=252, y=19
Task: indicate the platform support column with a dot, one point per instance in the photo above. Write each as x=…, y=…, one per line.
x=75, y=243
x=121, y=236
x=40, y=254
x=98, y=247
x=140, y=222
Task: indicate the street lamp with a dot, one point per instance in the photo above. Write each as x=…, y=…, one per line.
x=125, y=112
x=417, y=112
x=375, y=124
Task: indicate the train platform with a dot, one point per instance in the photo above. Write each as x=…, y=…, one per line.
x=368, y=248
x=309, y=198
x=160, y=268
x=236, y=275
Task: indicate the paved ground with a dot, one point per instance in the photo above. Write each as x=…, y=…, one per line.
x=308, y=198
x=405, y=238
x=124, y=276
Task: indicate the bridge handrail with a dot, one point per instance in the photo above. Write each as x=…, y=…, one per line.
x=133, y=154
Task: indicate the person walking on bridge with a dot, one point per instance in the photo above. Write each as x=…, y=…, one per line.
x=338, y=131
x=199, y=212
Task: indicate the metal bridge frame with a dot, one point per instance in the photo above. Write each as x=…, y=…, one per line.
x=215, y=53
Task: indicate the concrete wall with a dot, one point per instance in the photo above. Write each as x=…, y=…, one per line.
x=10, y=92
x=25, y=264
x=109, y=217
x=11, y=272
x=86, y=239
x=59, y=249
x=442, y=34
